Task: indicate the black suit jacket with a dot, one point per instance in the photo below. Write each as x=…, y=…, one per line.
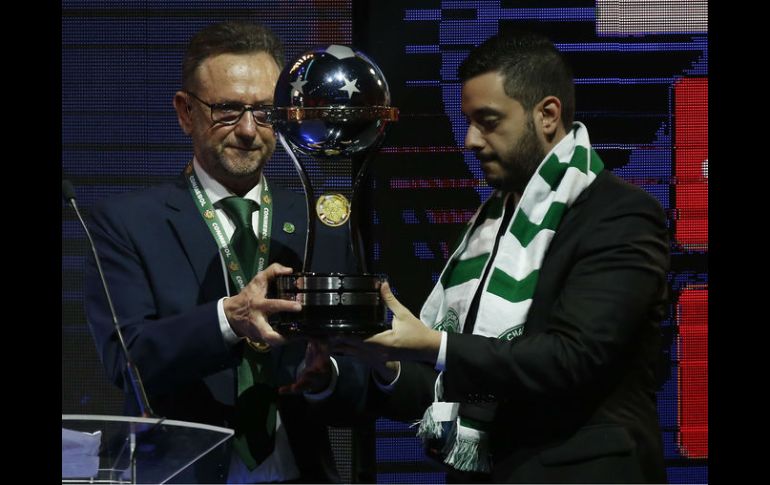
x=165, y=276
x=576, y=391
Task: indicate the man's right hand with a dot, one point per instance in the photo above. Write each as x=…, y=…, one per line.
x=247, y=311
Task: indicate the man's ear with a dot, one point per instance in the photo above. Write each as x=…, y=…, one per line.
x=549, y=115
x=183, y=113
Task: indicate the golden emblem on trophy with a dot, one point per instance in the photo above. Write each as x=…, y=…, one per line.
x=333, y=209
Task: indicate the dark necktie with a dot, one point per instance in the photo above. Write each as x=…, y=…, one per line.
x=255, y=405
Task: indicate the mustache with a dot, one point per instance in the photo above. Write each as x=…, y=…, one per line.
x=482, y=157
x=250, y=147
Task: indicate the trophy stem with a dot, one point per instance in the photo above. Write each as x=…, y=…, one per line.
x=361, y=162
x=309, y=197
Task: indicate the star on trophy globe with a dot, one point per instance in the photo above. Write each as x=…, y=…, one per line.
x=332, y=105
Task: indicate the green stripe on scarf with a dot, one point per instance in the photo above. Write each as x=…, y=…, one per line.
x=525, y=231
x=552, y=171
x=511, y=289
x=596, y=162
x=464, y=270
x=475, y=424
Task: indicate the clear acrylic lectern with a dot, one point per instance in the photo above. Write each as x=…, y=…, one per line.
x=125, y=449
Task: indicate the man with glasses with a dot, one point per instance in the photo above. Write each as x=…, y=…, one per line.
x=189, y=264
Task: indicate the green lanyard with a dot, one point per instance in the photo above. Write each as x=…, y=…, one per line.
x=215, y=226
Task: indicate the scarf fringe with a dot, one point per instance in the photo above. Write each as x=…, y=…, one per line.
x=464, y=450
x=439, y=412
x=464, y=456
x=429, y=428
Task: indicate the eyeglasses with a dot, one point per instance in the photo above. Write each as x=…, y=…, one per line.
x=230, y=113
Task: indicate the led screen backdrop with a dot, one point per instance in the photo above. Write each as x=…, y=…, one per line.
x=641, y=72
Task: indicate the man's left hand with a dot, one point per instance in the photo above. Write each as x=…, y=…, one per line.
x=408, y=339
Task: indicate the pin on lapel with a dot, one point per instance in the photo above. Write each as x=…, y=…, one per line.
x=288, y=227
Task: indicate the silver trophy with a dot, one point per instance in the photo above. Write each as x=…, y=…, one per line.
x=332, y=105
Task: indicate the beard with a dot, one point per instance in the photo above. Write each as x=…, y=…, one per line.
x=519, y=162
x=240, y=163
x=227, y=163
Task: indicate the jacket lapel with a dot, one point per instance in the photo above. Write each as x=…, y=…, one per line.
x=192, y=233
x=585, y=194
x=287, y=228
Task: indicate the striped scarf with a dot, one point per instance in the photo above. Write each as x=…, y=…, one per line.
x=508, y=289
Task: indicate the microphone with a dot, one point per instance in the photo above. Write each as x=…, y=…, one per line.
x=68, y=193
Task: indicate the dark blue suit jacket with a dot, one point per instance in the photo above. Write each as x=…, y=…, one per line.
x=165, y=277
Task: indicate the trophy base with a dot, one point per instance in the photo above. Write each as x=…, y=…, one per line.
x=329, y=329
x=332, y=304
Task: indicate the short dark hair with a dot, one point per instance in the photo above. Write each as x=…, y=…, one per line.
x=531, y=66
x=230, y=37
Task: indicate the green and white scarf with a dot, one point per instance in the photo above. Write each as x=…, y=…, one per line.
x=564, y=173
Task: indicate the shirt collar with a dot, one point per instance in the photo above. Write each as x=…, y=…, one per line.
x=216, y=191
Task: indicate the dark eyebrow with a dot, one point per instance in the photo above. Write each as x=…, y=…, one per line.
x=486, y=111
x=482, y=113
